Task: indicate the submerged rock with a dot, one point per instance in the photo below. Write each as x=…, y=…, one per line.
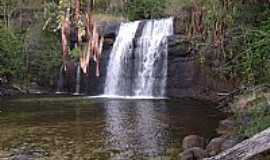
x=193, y=141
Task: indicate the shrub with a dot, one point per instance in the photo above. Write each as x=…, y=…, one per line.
x=256, y=60
x=11, y=57
x=44, y=51
x=258, y=119
x=252, y=111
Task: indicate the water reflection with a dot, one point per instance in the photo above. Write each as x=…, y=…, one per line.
x=135, y=128
x=103, y=129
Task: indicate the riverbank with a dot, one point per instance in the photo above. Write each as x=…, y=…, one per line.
x=14, y=90
x=248, y=114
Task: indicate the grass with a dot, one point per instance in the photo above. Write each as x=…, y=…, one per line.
x=252, y=113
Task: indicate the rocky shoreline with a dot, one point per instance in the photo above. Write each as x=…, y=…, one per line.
x=13, y=90
x=196, y=147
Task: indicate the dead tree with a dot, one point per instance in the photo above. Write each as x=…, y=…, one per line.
x=248, y=149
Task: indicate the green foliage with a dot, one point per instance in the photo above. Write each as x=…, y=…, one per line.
x=75, y=53
x=244, y=53
x=146, y=9
x=252, y=111
x=55, y=14
x=257, y=119
x=43, y=50
x=11, y=57
x=256, y=60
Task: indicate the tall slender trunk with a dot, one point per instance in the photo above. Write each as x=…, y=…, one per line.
x=65, y=33
x=77, y=19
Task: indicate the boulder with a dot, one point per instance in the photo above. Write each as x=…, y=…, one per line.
x=179, y=46
x=230, y=142
x=226, y=126
x=193, y=141
x=109, y=30
x=194, y=153
x=214, y=146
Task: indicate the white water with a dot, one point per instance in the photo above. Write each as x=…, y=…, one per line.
x=126, y=97
x=138, y=67
x=116, y=82
x=152, y=54
x=78, y=80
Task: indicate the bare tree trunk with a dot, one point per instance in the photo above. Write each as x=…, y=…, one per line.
x=65, y=33
x=64, y=42
x=248, y=149
x=77, y=18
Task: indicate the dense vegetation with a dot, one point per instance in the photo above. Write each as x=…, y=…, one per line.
x=11, y=57
x=236, y=32
x=232, y=38
x=251, y=111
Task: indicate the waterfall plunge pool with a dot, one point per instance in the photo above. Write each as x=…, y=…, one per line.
x=99, y=128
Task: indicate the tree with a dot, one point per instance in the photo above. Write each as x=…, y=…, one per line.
x=84, y=31
x=11, y=57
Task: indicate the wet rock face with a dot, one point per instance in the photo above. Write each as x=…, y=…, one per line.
x=186, y=75
x=110, y=30
x=95, y=85
x=90, y=83
x=183, y=68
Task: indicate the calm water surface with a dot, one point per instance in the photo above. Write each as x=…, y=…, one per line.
x=88, y=128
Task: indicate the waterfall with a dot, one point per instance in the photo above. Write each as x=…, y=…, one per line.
x=78, y=80
x=151, y=64
x=138, y=66
x=117, y=81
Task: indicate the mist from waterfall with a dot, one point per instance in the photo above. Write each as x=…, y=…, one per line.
x=138, y=61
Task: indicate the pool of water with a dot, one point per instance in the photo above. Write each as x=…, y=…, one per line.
x=98, y=128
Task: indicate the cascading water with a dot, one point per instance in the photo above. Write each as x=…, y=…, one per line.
x=78, y=80
x=151, y=64
x=117, y=81
x=138, y=67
